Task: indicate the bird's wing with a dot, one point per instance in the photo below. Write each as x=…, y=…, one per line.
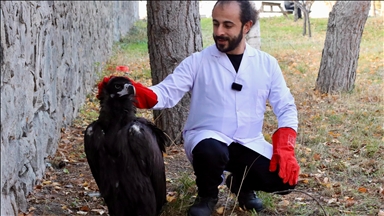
x=157, y=143
x=143, y=165
x=102, y=156
x=93, y=143
x=102, y=162
x=161, y=138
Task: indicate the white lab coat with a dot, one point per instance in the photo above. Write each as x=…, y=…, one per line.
x=216, y=110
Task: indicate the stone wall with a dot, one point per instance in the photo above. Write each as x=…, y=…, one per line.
x=51, y=55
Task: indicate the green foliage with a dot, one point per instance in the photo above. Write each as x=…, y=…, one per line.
x=136, y=41
x=137, y=34
x=206, y=30
x=185, y=195
x=269, y=201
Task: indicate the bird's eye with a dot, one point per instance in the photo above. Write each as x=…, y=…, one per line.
x=117, y=86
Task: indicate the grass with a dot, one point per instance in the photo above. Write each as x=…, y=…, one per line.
x=185, y=195
x=340, y=141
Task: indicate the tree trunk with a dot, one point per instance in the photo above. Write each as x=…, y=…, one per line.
x=253, y=37
x=338, y=65
x=305, y=8
x=295, y=10
x=174, y=33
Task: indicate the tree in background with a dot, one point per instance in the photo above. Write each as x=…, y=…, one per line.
x=340, y=55
x=174, y=33
x=254, y=36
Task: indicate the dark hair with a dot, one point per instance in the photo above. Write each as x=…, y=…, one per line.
x=247, y=11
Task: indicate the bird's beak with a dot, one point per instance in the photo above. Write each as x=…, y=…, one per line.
x=127, y=90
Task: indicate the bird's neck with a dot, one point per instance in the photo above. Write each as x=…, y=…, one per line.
x=117, y=115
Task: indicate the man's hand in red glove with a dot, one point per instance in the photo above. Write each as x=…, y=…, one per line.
x=283, y=141
x=145, y=97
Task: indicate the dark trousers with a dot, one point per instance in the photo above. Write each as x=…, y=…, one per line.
x=211, y=157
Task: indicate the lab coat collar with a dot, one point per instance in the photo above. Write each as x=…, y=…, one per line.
x=215, y=52
x=223, y=59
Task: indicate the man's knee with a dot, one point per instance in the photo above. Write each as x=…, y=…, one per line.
x=211, y=150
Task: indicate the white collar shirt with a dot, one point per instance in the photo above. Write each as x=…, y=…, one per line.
x=216, y=110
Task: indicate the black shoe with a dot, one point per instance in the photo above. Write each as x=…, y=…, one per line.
x=203, y=206
x=247, y=200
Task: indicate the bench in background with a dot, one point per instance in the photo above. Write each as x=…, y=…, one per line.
x=271, y=6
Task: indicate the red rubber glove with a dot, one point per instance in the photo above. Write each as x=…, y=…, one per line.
x=283, y=141
x=145, y=97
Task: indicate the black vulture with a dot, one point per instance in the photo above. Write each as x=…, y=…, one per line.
x=124, y=153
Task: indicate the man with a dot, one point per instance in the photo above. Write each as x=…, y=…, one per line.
x=230, y=83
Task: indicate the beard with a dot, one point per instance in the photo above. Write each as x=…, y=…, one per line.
x=232, y=42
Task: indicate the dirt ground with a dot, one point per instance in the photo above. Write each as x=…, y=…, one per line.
x=68, y=187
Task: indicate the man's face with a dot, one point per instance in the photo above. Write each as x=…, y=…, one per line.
x=227, y=27
x=227, y=44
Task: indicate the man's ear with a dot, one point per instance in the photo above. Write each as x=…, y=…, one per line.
x=247, y=26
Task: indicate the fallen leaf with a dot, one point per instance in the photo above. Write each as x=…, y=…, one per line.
x=381, y=213
x=100, y=211
x=171, y=196
x=56, y=184
x=381, y=191
x=305, y=181
x=220, y=210
x=283, y=203
x=327, y=185
x=84, y=208
x=307, y=150
x=362, y=190
x=316, y=156
x=349, y=202
x=326, y=180
x=332, y=200
x=46, y=182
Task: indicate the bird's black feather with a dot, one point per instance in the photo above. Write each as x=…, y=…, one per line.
x=124, y=153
